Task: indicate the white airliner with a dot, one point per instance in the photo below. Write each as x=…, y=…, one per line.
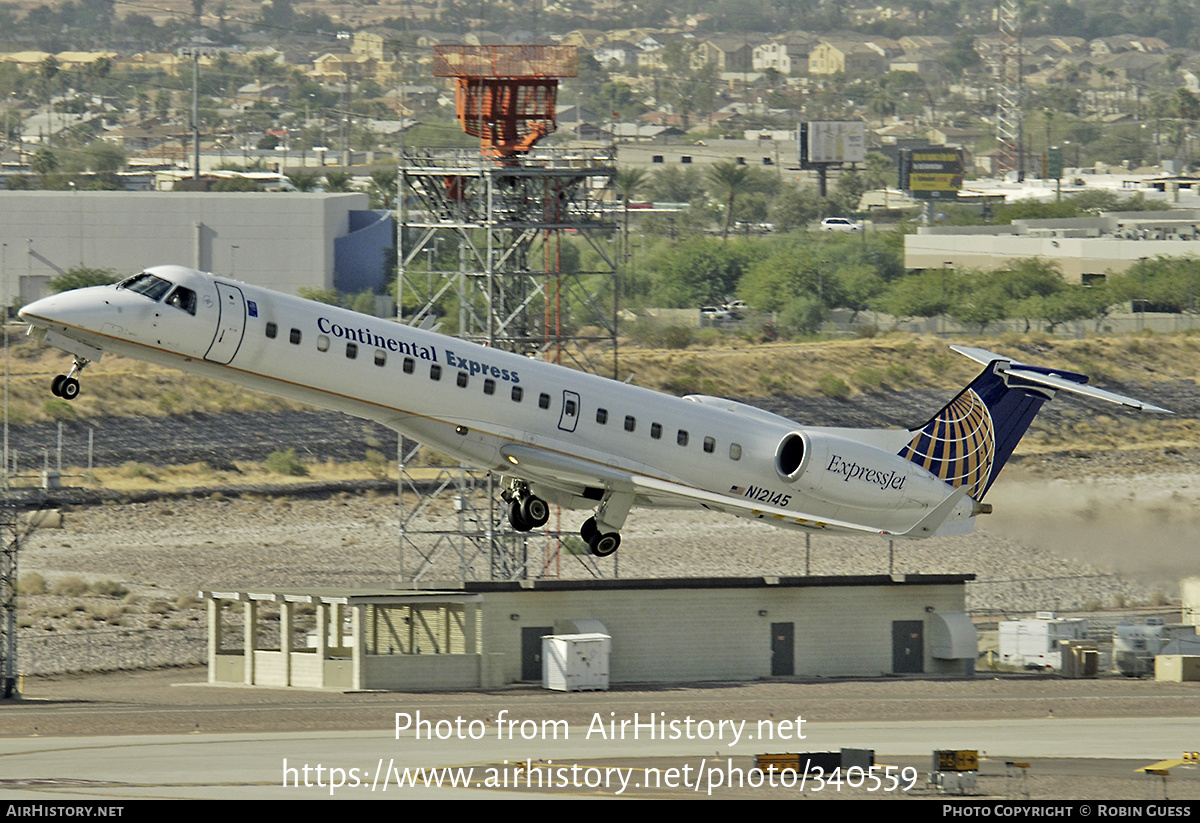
x=562, y=436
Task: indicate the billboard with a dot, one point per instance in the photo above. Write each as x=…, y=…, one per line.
x=933, y=173
x=834, y=141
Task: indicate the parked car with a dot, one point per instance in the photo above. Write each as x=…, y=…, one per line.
x=840, y=224
x=715, y=314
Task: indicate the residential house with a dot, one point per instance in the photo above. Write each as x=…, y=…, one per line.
x=845, y=57
x=924, y=63
x=728, y=54
x=261, y=93
x=377, y=43
x=918, y=43
x=616, y=55
x=1127, y=42
x=787, y=54
x=334, y=67
x=585, y=38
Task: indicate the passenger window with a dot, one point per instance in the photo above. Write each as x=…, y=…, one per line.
x=489, y=386
x=272, y=330
x=435, y=372
x=380, y=357
x=294, y=337
x=570, y=408
x=681, y=438
x=462, y=379
x=543, y=401
x=630, y=423
x=351, y=351
x=322, y=343
x=710, y=445
x=409, y=365
x=656, y=430
x=735, y=451
x=517, y=394
x=601, y=416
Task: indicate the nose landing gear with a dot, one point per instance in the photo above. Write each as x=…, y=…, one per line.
x=66, y=385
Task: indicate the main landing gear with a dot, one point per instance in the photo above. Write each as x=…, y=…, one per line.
x=603, y=532
x=526, y=511
x=600, y=545
x=65, y=385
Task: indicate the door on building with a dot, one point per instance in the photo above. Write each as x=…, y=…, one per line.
x=783, y=649
x=908, y=647
x=531, y=651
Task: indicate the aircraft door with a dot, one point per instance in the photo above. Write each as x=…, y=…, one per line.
x=231, y=325
x=570, y=411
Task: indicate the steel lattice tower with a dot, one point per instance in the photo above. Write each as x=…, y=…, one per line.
x=1008, y=103
x=484, y=234
x=8, y=600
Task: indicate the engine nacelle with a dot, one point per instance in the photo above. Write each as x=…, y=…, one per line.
x=847, y=473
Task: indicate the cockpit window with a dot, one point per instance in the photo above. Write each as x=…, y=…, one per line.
x=147, y=284
x=183, y=298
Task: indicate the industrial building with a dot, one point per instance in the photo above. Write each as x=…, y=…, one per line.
x=489, y=634
x=1083, y=247
x=281, y=240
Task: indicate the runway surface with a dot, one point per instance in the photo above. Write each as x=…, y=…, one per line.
x=1084, y=740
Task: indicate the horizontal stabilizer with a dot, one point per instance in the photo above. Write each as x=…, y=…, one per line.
x=1055, y=382
x=1043, y=377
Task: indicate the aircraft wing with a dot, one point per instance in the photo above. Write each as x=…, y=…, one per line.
x=557, y=468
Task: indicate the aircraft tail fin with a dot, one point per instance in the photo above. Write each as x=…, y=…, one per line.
x=968, y=442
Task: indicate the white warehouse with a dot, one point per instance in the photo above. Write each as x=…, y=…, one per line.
x=281, y=240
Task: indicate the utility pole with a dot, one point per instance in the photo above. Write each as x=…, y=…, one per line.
x=195, y=113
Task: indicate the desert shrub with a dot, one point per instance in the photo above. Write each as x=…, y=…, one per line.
x=677, y=337
x=132, y=468
x=109, y=588
x=285, y=462
x=60, y=410
x=71, y=586
x=833, y=386
x=31, y=583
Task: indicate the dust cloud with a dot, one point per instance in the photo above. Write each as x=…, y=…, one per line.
x=1145, y=527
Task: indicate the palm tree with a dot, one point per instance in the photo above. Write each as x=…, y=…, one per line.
x=338, y=181
x=729, y=182
x=48, y=71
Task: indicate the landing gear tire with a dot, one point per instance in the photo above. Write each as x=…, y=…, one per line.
x=69, y=388
x=588, y=530
x=600, y=545
x=534, y=511
x=56, y=385
x=515, y=518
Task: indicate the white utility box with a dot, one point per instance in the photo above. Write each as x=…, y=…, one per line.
x=575, y=662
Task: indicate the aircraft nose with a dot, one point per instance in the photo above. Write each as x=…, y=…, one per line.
x=44, y=309
x=66, y=308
